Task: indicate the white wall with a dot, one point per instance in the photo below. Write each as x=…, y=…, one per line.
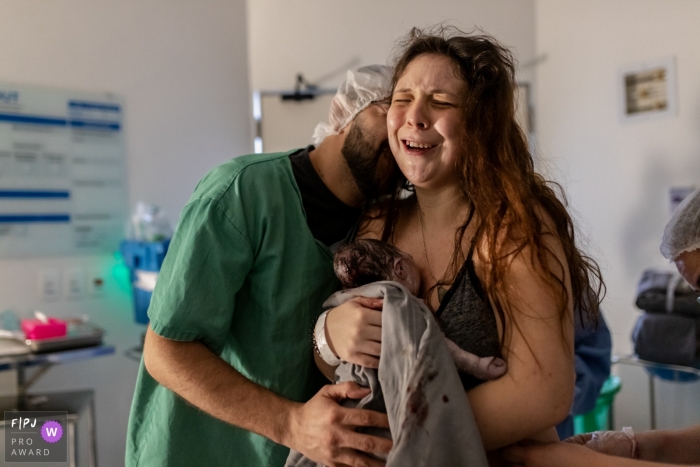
x=182, y=69
x=618, y=175
x=316, y=37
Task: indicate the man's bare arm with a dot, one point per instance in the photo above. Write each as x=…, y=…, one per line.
x=195, y=373
x=321, y=429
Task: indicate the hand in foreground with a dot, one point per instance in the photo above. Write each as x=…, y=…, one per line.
x=325, y=432
x=535, y=454
x=614, y=443
x=354, y=331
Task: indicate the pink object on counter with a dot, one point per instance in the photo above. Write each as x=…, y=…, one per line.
x=36, y=329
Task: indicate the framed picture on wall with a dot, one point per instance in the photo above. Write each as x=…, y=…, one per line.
x=648, y=90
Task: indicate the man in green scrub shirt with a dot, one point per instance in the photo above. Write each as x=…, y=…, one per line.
x=228, y=375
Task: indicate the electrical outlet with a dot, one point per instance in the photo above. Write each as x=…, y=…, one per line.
x=73, y=283
x=95, y=283
x=49, y=284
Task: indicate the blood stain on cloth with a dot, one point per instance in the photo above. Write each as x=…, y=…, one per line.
x=417, y=404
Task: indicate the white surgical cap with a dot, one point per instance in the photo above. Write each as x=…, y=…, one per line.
x=361, y=87
x=682, y=233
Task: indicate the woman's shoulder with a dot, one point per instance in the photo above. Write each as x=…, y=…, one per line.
x=519, y=252
x=513, y=235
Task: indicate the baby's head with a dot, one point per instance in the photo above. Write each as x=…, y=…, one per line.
x=364, y=261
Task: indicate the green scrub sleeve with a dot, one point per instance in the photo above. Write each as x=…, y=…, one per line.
x=208, y=260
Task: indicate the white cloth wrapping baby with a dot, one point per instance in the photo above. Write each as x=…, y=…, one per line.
x=417, y=385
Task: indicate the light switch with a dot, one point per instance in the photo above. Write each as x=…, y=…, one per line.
x=49, y=284
x=73, y=283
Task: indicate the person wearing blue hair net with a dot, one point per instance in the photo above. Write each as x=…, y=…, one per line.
x=681, y=245
x=228, y=376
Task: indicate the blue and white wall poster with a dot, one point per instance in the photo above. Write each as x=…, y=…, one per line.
x=62, y=172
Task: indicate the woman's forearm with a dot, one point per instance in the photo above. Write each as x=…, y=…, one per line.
x=509, y=410
x=327, y=370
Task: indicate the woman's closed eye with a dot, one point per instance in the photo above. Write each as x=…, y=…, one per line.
x=438, y=104
x=443, y=103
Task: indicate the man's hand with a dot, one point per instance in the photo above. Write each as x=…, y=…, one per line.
x=324, y=431
x=354, y=331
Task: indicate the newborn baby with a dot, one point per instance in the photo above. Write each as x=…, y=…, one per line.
x=364, y=261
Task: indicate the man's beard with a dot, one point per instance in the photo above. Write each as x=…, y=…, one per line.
x=362, y=158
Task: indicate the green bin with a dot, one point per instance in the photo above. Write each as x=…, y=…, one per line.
x=598, y=419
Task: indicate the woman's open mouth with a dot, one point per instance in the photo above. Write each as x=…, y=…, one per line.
x=415, y=147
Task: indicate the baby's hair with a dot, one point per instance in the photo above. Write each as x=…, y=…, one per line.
x=364, y=261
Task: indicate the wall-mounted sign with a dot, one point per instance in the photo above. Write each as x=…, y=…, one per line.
x=62, y=172
x=648, y=90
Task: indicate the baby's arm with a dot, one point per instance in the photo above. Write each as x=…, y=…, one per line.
x=486, y=368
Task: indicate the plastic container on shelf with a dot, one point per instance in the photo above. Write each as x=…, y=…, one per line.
x=598, y=419
x=46, y=329
x=144, y=260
